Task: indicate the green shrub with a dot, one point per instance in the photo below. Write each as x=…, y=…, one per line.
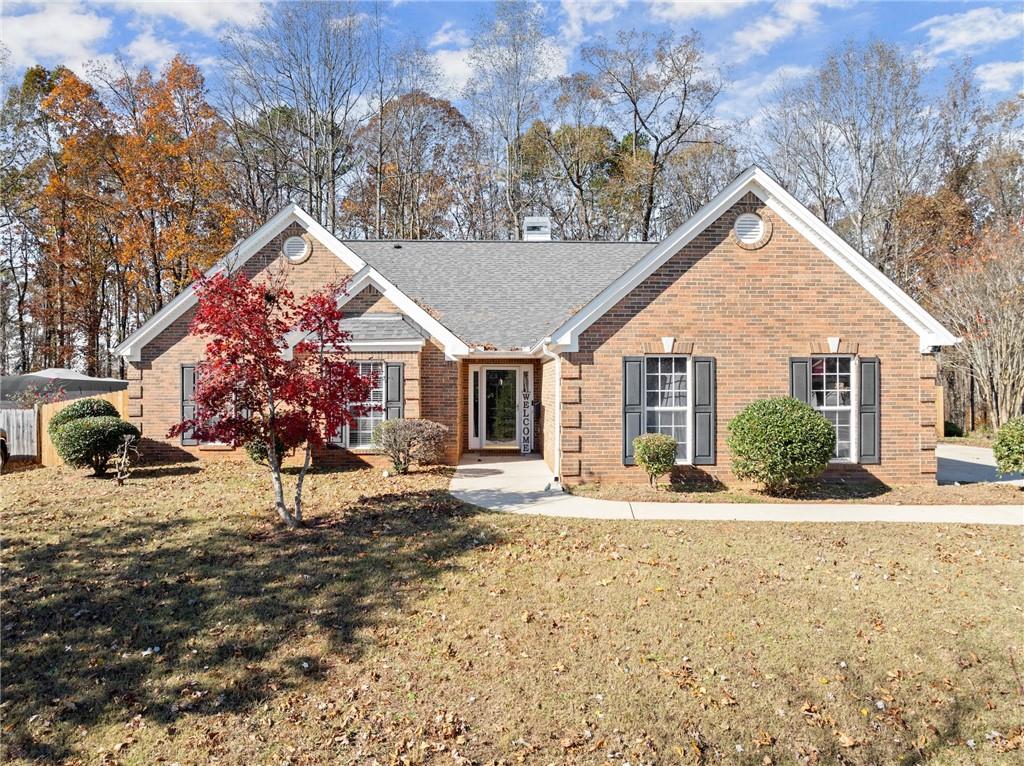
x=91, y=442
x=406, y=440
x=949, y=428
x=780, y=443
x=257, y=450
x=1008, y=447
x=82, y=408
x=655, y=453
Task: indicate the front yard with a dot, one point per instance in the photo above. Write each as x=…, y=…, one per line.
x=170, y=621
x=821, y=492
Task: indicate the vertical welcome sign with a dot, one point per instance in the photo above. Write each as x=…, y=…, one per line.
x=526, y=411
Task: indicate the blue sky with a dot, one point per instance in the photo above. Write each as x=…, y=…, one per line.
x=754, y=42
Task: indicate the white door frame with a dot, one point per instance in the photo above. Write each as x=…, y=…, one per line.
x=525, y=426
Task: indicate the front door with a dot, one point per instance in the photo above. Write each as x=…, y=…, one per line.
x=500, y=408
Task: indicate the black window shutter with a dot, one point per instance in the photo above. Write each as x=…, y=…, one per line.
x=394, y=398
x=870, y=399
x=188, y=403
x=632, y=404
x=800, y=379
x=704, y=415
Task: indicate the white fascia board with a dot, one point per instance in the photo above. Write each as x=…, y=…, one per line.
x=385, y=345
x=453, y=345
x=566, y=337
x=368, y=276
x=480, y=353
x=928, y=329
x=132, y=346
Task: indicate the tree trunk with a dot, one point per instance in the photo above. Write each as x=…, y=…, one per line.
x=298, y=484
x=275, y=472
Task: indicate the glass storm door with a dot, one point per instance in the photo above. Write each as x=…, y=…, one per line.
x=500, y=407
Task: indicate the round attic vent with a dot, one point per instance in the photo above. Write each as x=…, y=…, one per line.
x=749, y=228
x=296, y=249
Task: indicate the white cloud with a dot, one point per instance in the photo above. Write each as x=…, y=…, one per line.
x=206, y=17
x=581, y=13
x=679, y=10
x=448, y=35
x=454, y=67
x=149, y=50
x=1001, y=76
x=53, y=33
x=745, y=98
x=787, y=19
x=970, y=31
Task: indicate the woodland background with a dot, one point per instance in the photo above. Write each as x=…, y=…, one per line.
x=116, y=184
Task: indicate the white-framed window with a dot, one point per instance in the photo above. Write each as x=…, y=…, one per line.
x=360, y=433
x=832, y=387
x=666, y=398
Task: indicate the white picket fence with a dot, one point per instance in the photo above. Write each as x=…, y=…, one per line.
x=20, y=426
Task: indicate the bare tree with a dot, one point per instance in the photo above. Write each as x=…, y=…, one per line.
x=981, y=299
x=857, y=138
x=510, y=60
x=293, y=88
x=664, y=92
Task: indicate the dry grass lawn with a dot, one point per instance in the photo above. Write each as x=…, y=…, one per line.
x=170, y=621
x=856, y=492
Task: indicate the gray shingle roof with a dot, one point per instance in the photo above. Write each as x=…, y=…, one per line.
x=380, y=326
x=502, y=294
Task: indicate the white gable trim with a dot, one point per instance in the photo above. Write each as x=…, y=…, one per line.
x=928, y=329
x=132, y=346
x=453, y=345
x=370, y=277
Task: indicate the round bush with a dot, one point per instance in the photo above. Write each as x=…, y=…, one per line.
x=949, y=428
x=82, y=408
x=655, y=453
x=1008, y=447
x=91, y=442
x=407, y=440
x=780, y=443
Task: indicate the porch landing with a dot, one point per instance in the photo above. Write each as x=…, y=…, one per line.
x=524, y=484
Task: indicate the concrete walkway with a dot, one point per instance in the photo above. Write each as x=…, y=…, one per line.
x=525, y=485
x=960, y=464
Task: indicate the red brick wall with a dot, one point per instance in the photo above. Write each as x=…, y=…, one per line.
x=546, y=430
x=752, y=310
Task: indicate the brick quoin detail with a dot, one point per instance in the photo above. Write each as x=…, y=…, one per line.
x=752, y=310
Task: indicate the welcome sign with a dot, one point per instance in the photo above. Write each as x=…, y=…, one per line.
x=526, y=410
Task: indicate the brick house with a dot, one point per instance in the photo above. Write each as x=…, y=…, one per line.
x=570, y=349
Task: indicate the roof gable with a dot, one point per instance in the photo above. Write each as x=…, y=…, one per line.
x=506, y=295
x=755, y=180
x=132, y=346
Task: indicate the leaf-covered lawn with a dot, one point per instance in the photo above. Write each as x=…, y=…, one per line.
x=170, y=621
x=854, y=492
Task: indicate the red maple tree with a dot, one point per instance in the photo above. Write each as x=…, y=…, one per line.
x=258, y=385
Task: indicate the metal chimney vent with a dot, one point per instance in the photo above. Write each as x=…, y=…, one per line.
x=537, y=228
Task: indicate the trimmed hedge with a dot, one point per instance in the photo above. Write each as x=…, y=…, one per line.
x=1008, y=447
x=780, y=443
x=91, y=442
x=82, y=408
x=656, y=454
